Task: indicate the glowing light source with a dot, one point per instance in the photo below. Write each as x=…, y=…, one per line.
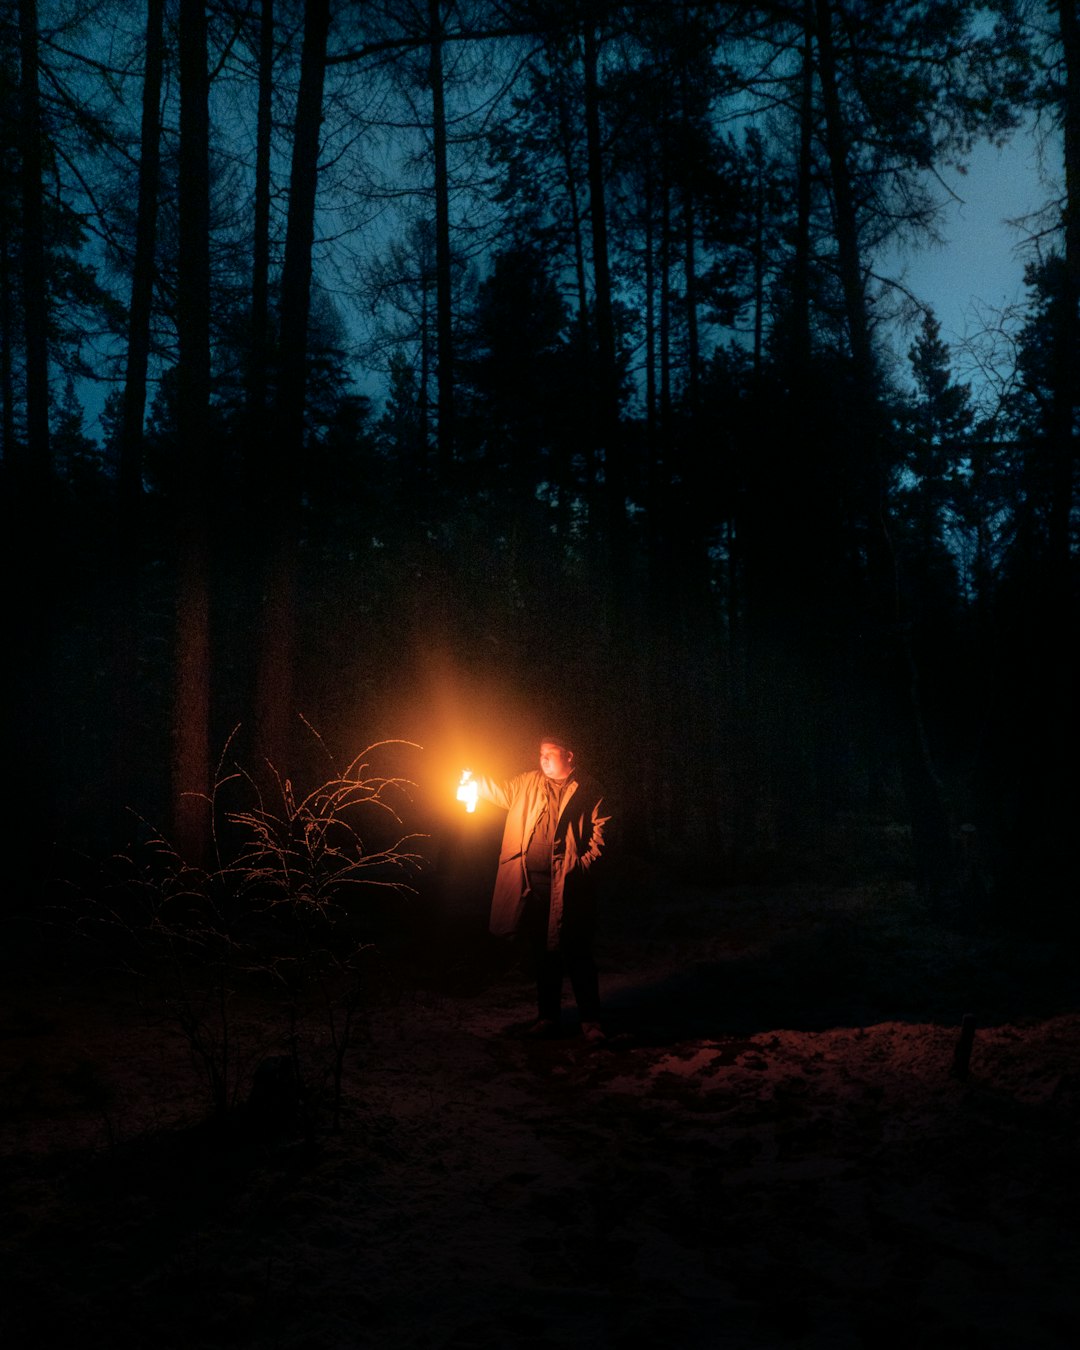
x=467, y=790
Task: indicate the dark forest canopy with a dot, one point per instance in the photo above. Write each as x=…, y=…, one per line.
x=647, y=455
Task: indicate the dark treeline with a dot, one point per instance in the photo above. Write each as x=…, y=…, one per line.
x=657, y=447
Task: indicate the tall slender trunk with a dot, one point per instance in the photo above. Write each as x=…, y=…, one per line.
x=577, y=231
x=1070, y=40
x=1067, y=381
x=564, y=450
x=36, y=462
x=847, y=235
x=191, y=699
x=142, y=280
x=929, y=823
x=1053, y=692
x=608, y=425
x=127, y=544
x=693, y=344
x=649, y=257
x=689, y=215
x=800, y=281
x=251, y=540
x=423, y=449
x=275, y=712
x=759, y=261
x=8, y=448
x=29, y=530
x=447, y=429
x=259, y=353
x=665, y=317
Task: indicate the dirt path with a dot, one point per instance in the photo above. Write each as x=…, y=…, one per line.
x=771, y=1150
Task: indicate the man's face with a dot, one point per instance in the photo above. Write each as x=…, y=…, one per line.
x=555, y=762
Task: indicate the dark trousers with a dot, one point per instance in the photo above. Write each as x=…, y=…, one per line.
x=573, y=958
x=584, y=980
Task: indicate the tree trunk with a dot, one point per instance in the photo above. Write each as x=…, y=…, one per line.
x=564, y=474
x=693, y=345
x=8, y=449
x=142, y=281
x=275, y=692
x=447, y=429
x=759, y=259
x=191, y=705
x=127, y=544
x=607, y=372
x=36, y=462
x=249, y=561
x=259, y=354
x=800, y=282
x=1067, y=381
x=1047, y=816
x=651, y=383
x=29, y=528
x=566, y=145
x=424, y=446
x=665, y=318
x=929, y=823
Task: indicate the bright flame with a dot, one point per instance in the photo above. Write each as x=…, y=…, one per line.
x=467, y=790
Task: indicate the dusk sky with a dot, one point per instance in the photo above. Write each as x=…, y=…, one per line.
x=981, y=262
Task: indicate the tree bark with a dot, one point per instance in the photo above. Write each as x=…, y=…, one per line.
x=608, y=425
x=759, y=259
x=1049, y=837
x=275, y=686
x=581, y=290
x=29, y=528
x=800, y=282
x=929, y=822
x=259, y=354
x=127, y=543
x=142, y=281
x=36, y=461
x=8, y=448
x=191, y=696
x=1067, y=381
x=693, y=344
x=566, y=145
x=447, y=430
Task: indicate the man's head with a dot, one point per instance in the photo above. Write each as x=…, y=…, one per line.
x=556, y=757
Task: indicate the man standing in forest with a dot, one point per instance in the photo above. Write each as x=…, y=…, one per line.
x=545, y=891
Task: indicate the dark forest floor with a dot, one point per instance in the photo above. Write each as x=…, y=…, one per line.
x=772, y=1149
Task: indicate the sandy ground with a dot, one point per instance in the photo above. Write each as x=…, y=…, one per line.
x=772, y=1148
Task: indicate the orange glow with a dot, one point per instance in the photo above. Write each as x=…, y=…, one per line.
x=456, y=699
x=467, y=790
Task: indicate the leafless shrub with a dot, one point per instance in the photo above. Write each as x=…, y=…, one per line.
x=268, y=952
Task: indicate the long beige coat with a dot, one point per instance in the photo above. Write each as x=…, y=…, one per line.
x=578, y=845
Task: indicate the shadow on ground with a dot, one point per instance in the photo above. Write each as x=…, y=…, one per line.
x=799, y=959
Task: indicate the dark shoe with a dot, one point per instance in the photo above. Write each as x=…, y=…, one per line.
x=543, y=1029
x=593, y=1032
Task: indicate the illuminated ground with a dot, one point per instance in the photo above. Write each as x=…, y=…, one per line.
x=772, y=1150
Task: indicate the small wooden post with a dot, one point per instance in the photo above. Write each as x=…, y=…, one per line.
x=962, y=1053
